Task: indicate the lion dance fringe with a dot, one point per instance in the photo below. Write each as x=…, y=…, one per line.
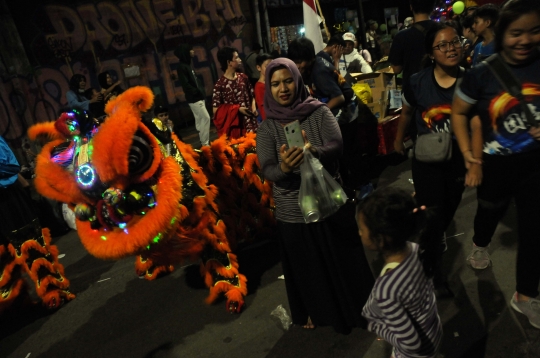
x=157, y=199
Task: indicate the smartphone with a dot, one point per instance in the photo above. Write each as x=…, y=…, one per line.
x=293, y=133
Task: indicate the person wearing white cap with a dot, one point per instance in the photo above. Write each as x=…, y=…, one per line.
x=351, y=59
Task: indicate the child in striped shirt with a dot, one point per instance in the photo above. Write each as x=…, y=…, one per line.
x=402, y=307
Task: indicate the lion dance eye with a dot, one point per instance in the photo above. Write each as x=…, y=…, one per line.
x=86, y=176
x=140, y=154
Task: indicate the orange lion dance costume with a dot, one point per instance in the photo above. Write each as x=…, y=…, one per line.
x=133, y=194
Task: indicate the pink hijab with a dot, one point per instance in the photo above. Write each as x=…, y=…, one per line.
x=303, y=104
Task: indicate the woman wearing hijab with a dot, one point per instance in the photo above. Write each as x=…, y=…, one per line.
x=327, y=276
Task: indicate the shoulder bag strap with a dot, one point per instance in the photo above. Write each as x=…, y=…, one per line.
x=420, y=28
x=510, y=84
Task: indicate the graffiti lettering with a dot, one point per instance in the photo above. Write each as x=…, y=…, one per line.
x=104, y=35
x=120, y=40
x=61, y=48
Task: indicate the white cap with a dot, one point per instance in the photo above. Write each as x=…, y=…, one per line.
x=349, y=36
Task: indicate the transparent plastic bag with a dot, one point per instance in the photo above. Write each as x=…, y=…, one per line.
x=320, y=195
x=69, y=216
x=281, y=313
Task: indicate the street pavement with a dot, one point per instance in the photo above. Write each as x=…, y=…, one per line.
x=116, y=314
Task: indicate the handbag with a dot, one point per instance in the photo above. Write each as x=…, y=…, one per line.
x=433, y=147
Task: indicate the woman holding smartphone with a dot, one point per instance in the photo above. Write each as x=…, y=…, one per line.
x=327, y=276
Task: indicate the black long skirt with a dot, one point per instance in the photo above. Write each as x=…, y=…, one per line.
x=16, y=210
x=327, y=276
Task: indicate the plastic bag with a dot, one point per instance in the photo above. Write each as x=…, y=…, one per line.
x=281, y=313
x=320, y=195
x=69, y=216
x=363, y=92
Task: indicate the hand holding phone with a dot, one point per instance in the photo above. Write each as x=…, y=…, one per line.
x=293, y=133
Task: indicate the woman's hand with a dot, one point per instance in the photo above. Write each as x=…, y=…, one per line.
x=469, y=159
x=290, y=158
x=246, y=112
x=307, y=144
x=474, y=175
x=96, y=97
x=535, y=132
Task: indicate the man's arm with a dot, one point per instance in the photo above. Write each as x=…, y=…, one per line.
x=397, y=69
x=336, y=102
x=397, y=52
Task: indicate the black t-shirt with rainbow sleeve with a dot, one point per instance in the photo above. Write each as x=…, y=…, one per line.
x=504, y=126
x=432, y=102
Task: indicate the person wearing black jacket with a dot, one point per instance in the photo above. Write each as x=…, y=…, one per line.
x=194, y=92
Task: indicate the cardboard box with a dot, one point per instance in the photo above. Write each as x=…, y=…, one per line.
x=378, y=109
x=386, y=132
x=379, y=82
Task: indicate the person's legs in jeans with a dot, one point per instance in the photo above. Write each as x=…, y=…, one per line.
x=202, y=121
x=493, y=198
x=454, y=186
x=527, y=198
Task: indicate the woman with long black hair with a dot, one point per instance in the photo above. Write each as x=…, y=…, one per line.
x=511, y=149
x=76, y=95
x=428, y=98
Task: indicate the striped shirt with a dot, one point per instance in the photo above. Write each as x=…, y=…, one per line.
x=402, y=309
x=323, y=133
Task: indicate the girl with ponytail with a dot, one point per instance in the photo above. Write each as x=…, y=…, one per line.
x=402, y=307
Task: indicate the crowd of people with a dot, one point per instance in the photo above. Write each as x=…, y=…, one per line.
x=458, y=85
x=490, y=140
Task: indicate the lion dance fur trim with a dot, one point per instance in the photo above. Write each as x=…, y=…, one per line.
x=163, y=202
x=31, y=252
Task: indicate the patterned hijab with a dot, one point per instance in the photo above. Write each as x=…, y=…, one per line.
x=303, y=104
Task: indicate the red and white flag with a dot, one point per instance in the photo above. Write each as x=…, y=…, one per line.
x=311, y=25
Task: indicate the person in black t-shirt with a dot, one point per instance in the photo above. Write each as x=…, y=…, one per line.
x=430, y=91
x=407, y=48
x=511, y=150
x=471, y=40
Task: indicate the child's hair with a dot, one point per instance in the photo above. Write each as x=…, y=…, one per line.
x=336, y=40
x=392, y=220
x=301, y=49
x=467, y=22
x=161, y=109
x=224, y=55
x=262, y=57
x=510, y=12
x=488, y=12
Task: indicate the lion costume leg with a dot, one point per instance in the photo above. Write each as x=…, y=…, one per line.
x=31, y=250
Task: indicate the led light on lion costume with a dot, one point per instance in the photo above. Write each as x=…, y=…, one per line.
x=164, y=202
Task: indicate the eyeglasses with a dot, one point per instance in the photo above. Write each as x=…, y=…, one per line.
x=445, y=46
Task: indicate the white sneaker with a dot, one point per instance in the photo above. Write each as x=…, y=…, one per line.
x=479, y=257
x=530, y=308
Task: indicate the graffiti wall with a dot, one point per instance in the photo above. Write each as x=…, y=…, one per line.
x=62, y=39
